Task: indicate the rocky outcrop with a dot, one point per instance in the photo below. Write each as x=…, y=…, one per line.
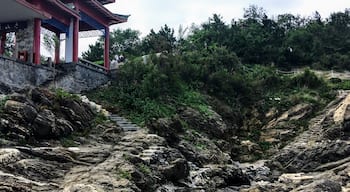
x=39, y=114
x=211, y=124
x=318, y=159
x=180, y=153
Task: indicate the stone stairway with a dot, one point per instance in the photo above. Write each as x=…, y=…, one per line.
x=124, y=123
x=148, y=154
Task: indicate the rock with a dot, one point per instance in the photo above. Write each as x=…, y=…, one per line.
x=29, y=113
x=62, y=128
x=19, y=132
x=213, y=124
x=326, y=186
x=77, y=111
x=167, y=128
x=19, y=97
x=5, y=89
x=13, y=107
x=8, y=156
x=44, y=125
x=22, y=112
x=246, y=151
x=213, y=177
x=178, y=169
x=256, y=171
x=41, y=97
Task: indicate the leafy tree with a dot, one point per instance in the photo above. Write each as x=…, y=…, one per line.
x=162, y=41
x=95, y=52
x=124, y=42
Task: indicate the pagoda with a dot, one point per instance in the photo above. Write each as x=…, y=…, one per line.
x=69, y=17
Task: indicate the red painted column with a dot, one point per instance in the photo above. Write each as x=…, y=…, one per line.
x=106, y=51
x=57, y=48
x=75, y=40
x=36, y=48
x=3, y=42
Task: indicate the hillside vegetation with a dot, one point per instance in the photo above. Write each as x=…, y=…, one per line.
x=231, y=69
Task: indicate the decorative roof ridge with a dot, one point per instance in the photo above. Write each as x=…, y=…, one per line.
x=116, y=17
x=65, y=8
x=104, y=2
x=25, y=3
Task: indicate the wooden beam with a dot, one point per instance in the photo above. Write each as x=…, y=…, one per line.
x=106, y=51
x=75, y=40
x=36, y=46
x=3, y=42
x=92, y=13
x=57, y=48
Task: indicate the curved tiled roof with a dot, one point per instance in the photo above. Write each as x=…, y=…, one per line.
x=113, y=18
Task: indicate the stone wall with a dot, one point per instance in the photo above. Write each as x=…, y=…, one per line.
x=20, y=75
x=77, y=79
x=25, y=40
x=82, y=78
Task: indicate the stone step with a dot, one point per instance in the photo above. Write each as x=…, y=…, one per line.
x=124, y=123
x=146, y=159
x=150, y=151
x=156, y=147
x=117, y=119
x=130, y=129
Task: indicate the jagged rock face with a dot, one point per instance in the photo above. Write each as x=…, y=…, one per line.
x=213, y=125
x=107, y=159
x=194, y=145
x=318, y=159
x=167, y=128
x=38, y=114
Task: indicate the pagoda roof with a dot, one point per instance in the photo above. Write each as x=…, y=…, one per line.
x=106, y=1
x=19, y=10
x=111, y=17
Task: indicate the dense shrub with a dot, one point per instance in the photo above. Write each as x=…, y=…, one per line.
x=308, y=79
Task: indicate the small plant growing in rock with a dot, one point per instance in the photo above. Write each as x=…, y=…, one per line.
x=144, y=169
x=100, y=119
x=68, y=141
x=124, y=174
x=62, y=94
x=2, y=103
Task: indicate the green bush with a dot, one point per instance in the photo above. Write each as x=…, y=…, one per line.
x=308, y=79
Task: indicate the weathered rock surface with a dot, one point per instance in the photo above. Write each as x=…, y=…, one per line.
x=39, y=114
x=318, y=159
x=188, y=152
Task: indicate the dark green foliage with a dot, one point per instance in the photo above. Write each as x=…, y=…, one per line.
x=2, y=104
x=162, y=41
x=122, y=42
x=308, y=79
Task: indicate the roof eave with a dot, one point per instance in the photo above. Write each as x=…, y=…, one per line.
x=34, y=8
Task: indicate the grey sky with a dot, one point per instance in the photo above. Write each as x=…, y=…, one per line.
x=148, y=14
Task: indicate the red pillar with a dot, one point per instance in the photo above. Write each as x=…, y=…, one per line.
x=3, y=41
x=36, y=48
x=75, y=40
x=57, y=48
x=106, y=51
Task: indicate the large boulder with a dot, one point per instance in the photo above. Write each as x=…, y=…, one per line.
x=21, y=112
x=47, y=125
x=44, y=124
x=171, y=164
x=176, y=170
x=211, y=124
x=77, y=112
x=169, y=128
x=214, y=177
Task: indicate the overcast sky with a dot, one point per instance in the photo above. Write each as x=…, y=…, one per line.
x=148, y=14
